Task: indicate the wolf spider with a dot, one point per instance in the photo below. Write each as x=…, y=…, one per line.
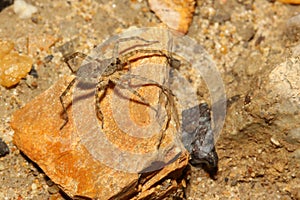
x=112, y=72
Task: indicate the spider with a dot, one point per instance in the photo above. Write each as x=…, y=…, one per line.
x=113, y=70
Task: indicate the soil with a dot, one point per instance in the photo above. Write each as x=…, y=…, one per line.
x=258, y=157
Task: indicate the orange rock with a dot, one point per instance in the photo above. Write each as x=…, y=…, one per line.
x=66, y=158
x=290, y=1
x=176, y=14
x=59, y=154
x=13, y=66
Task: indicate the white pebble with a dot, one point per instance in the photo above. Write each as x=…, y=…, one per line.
x=199, y=179
x=33, y=186
x=23, y=9
x=275, y=142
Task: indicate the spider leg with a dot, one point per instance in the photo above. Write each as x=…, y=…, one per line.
x=170, y=109
x=67, y=58
x=70, y=57
x=166, y=91
x=101, y=86
x=61, y=98
x=134, y=92
x=116, y=52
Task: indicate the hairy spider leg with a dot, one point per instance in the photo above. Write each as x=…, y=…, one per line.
x=61, y=98
x=110, y=70
x=113, y=67
x=116, y=52
x=102, y=85
x=118, y=65
x=167, y=92
x=171, y=109
x=69, y=57
x=70, y=85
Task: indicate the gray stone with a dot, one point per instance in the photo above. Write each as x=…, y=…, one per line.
x=198, y=137
x=293, y=136
x=245, y=31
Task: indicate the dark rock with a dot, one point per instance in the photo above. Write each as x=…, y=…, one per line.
x=5, y=3
x=198, y=138
x=3, y=148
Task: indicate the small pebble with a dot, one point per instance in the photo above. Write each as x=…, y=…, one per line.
x=183, y=182
x=259, y=151
x=3, y=148
x=226, y=179
x=48, y=58
x=234, y=182
x=2, y=167
x=245, y=31
x=33, y=73
x=13, y=66
x=275, y=142
x=23, y=9
x=53, y=189
x=49, y=182
x=33, y=186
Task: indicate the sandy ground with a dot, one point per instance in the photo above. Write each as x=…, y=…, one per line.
x=247, y=40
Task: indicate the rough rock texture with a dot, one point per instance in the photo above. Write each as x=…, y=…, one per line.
x=176, y=14
x=64, y=158
x=275, y=104
x=38, y=136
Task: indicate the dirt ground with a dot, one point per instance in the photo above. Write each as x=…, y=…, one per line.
x=259, y=148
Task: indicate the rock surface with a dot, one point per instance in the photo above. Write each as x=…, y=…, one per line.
x=176, y=14
x=66, y=160
x=290, y=1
